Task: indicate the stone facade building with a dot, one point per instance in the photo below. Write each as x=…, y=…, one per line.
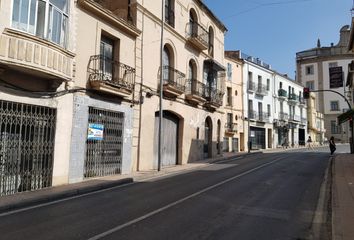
x=326, y=68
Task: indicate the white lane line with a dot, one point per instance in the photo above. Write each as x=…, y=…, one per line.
x=136, y=220
x=171, y=174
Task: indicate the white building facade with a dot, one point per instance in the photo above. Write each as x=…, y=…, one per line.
x=289, y=112
x=258, y=102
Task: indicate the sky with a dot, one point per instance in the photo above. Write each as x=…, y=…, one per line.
x=274, y=30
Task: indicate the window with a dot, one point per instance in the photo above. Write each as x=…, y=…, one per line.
x=31, y=16
x=309, y=70
x=170, y=12
x=334, y=106
x=250, y=77
x=281, y=85
x=335, y=128
x=229, y=96
x=268, y=110
x=229, y=118
x=229, y=71
x=166, y=63
x=268, y=84
x=106, y=52
x=310, y=85
x=191, y=70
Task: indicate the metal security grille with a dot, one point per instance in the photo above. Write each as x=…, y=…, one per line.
x=26, y=147
x=104, y=150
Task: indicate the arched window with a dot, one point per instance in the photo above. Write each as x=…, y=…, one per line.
x=193, y=21
x=166, y=64
x=166, y=57
x=192, y=70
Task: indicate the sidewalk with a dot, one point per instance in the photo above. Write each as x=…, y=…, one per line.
x=343, y=197
x=28, y=199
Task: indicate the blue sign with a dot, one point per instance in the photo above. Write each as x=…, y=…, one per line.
x=95, y=132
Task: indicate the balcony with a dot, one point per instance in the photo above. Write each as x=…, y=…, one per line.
x=231, y=128
x=294, y=118
x=262, y=90
x=283, y=116
x=197, y=36
x=282, y=94
x=263, y=117
x=252, y=115
x=111, y=76
x=195, y=91
x=302, y=102
x=293, y=98
x=174, y=82
x=251, y=86
x=34, y=56
x=213, y=98
x=120, y=14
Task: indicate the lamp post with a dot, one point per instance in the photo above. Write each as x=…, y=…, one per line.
x=161, y=86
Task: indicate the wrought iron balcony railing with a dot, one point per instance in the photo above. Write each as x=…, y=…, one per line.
x=262, y=89
x=251, y=86
x=302, y=101
x=282, y=93
x=111, y=72
x=173, y=78
x=214, y=96
x=231, y=127
x=252, y=114
x=198, y=32
x=293, y=97
x=283, y=116
x=195, y=87
x=263, y=117
x=295, y=118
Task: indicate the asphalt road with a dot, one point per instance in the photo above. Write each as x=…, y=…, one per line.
x=261, y=196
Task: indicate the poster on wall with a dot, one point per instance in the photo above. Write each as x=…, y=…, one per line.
x=95, y=131
x=336, y=77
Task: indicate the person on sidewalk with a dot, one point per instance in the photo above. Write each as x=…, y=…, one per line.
x=332, y=145
x=309, y=143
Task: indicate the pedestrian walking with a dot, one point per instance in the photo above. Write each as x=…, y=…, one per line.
x=332, y=145
x=309, y=143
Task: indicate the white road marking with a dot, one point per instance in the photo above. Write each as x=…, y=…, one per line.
x=108, y=189
x=139, y=219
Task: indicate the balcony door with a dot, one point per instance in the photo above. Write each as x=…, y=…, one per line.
x=106, y=58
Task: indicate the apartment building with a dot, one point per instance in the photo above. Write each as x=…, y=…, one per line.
x=290, y=112
x=37, y=69
x=326, y=68
x=193, y=83
x=257, y=102
x=234, y=135
x=68, y=86
x=315, y=119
